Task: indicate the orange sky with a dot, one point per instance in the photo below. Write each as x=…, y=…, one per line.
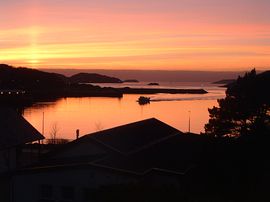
x=128, y=34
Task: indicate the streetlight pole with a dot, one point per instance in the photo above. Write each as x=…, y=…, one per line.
x=43, y=123
x=188, y=121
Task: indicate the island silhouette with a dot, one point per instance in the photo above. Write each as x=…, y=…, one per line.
x=39, y=85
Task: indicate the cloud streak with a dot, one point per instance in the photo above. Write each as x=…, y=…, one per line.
x=186, y=34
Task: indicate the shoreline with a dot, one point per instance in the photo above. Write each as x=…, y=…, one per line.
x=30, y=98
x=160, y=90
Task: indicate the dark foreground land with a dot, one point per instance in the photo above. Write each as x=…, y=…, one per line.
x=226, y=171
x=228, y=163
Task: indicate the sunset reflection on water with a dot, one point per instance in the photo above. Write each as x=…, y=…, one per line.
x=94, y=114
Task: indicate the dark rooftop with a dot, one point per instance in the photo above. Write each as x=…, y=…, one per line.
x=178, y=153
x=140, y=147
x=134, y=136
x=122, y=140
x=15, y=130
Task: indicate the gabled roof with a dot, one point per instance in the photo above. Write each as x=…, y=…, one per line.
x=142, y=147
x=135, y=136
x=15, y=130
x=179, y=154
x=176, y=155
x=124, y=140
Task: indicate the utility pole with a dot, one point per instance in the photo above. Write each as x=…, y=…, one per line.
x=189, y=121
x=43, y=123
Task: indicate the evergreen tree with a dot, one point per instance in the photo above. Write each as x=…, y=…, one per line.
x=245, y=110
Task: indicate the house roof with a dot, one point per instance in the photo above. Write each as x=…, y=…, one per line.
x=73, y=166
x=135, y=136
x=125, y=139
x=15, y=130
x=179, y=154
x=141, y=147
x=176, y=155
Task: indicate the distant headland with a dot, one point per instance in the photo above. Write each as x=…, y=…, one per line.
x=39, y=85
x=224, y=81
x=155, y=75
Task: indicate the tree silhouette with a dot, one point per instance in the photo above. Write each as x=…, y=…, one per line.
x=54, y=133
x=245, y=109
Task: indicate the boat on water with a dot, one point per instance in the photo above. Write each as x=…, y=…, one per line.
x=143, y=100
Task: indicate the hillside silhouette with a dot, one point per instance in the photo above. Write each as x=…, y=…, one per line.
x=92, y=78
x=43, y=85
x=29, y=79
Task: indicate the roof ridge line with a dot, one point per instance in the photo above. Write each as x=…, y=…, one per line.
x=106, y=145
x=169, y=171
x=163, y=170
x=152, y=143
x=127, y=124
x=113, y=168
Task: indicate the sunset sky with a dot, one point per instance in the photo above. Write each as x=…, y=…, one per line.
x=141, y=34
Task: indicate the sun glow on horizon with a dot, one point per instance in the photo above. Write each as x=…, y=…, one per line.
x=124, y=35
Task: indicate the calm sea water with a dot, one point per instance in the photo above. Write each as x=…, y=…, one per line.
x=93, y=114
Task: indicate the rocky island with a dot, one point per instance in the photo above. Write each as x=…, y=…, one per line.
x=153, y=84
x=131, y=81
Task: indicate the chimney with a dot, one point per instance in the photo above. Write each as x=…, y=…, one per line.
x=77, y=133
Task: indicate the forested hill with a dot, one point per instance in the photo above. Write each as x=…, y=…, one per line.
x=32, y=79
x=93, y=78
